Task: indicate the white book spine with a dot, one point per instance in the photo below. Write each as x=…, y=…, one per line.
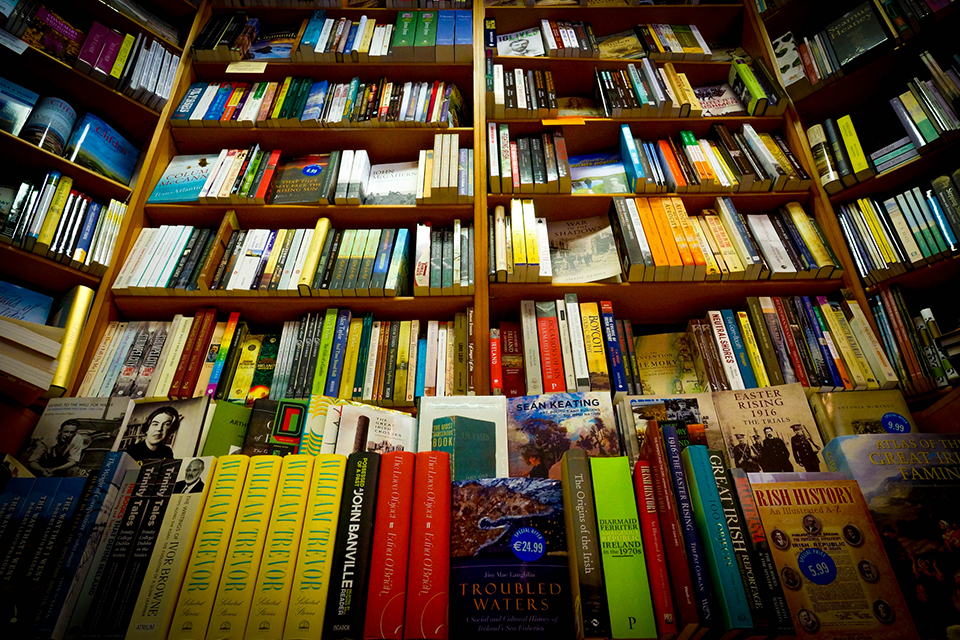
x=343, y=177
x=150, y=264
x=565, y=348
x=773, y=250
x=430, y=375
x=421, y=269
x=98, y=359
x=441, y=368
x=543, y=242
x=727, y=357
x=456, y=257
x=371, y=363
x=577, y=345
x=204, y=102
x=531, y=348
x=172, y=257
x=132, y=262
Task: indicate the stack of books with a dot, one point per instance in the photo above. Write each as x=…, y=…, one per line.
x=303, y=102
x=52, y=219
x=565, y=346
x=889, y=236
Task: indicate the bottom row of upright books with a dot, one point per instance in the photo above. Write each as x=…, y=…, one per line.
x=386, y=546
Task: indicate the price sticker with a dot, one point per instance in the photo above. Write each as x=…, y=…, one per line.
x=246, y=66
x=817, y=567
x=895, y=423
x=528, y=544
x=312, y=170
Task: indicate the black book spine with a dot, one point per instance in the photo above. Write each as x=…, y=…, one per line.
x=350, y=574
x=799, y=263
x=797, y=167
x=232, y=260
x=539, y=163
x=836, y=148
x=305, y=346
x=390, y=373
x=524, y=162
x=196, y=251
x=601, y=94
x=322, y=261
x=184, y=258
x=583, y=546
x=294, y=366
x=509, y=90
x=225, y=259
x=747, y=154
x=230, y=365
x=688, y=173
x=551, y=90
x=281, y=260
x=331, y=259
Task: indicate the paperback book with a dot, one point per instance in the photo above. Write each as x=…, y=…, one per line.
x=598, y=173
x=182, y=180
x=582, y=251
x=96, y=145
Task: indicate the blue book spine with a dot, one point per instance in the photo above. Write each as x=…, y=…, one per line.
x=11, y=503
x=741, y=226
x=463, y=34
x=798, y=241
x=219, y=103
x=718, y=547
x=618, y=374
x=382, y=263
x=630, y=156
x=332, y=388
x=348, y=47
x=822, y=343
x=312, y=32
x=421, y=367
x=942, y=223
x=351, y=98
x=29, y=527
x=691, y=539
x=122, y=347
x=835, y=458
x=314, y=106
x=189, y=102
x=86, y=235
x=739, y=351
x=446, y=27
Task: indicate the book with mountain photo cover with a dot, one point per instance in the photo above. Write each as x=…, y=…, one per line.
x=394, y=183
x=583, y=251
x=598, y=173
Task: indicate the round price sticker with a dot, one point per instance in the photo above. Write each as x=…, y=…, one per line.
x=311, y=170
x=895, y=423
x=528, y=544
x=816, y=566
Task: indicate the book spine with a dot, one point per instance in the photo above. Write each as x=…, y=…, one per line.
x=551, y=359
x=654, y=552
x=594, y=346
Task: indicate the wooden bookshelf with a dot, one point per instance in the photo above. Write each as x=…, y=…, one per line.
x=301, y=216
x=38, y=271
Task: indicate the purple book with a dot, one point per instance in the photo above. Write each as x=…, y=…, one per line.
x=92, y=46
x=108, y=55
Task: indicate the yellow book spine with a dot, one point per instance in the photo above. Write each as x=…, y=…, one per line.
x=778, y=155
x=76, y=314
x=876, y=229
x=364, y=49
x=802, y=222
x=403, y=365
x=313, y=256
x=696, y=109
x=210, y=550
x=753, y=351
x=858, y=161
x=125, y=47
x=231, y=606
x=678, y=235
x=843, y=346
x=712, y=266
x=246, y=367
x=312, y=438
x=727, y=250
x=50, y=222
x=593, y=344
x=656, y=40
x=275, y=251
x=707, y=235
x=428, y=178
x=350, y=359
x=311, y=580
x=278, y=103
x=533, y=245
x=518, y=240
x=271, y=595
x=846, y=331
x=731, y=177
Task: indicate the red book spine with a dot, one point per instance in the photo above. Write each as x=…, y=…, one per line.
x=512, y=359
x=676, y=554
x=496, y=368
x=551, y=359
x=791, y=343
x=808, y=67
x=199, y=355
x=174, y=391
x=428, y=581
x=903, y=340
x=515, y=167
x=653, y=551
x=268, y=175
x=391, y=543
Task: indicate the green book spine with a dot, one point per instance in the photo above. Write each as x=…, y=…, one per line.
x=621, y=548
x=323, y=353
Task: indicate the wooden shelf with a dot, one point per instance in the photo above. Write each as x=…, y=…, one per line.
x=32, y=156
x=38, y=271
x=99, y=10
x=175, y=8
x=655, y=302
x=931, y=277
x=273, y=310
x=457, y=72
x=923, y=166
x=298, y=141
x=306, y=215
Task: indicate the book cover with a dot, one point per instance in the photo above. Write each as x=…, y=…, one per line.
x=16, y=103
x=508, y=542
x=165, y=429
x=776, y=423
x=654, y=552
x=583, y=250
x=367, y=428
x=666, y=364
x=827, y=550
x=96, y=145
x=49, y=32
x=394, y=183
x=475, y=429
x=276, y=44
x=527, y=43
x=857, y=36
x=857, y=412
x=909, y=482
x=719, y=100
x=598, y=173
x=183, y=179
x=299, y=180
x=541, y=428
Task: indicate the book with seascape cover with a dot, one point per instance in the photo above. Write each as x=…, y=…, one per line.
x=96, y=145
x=16, y=103
x=183, y=179
x=299, y=180
x=910, y=482
x=582, y=251
x=598, y=173
x=541, y=428
x=276, y=44
x=508, y=560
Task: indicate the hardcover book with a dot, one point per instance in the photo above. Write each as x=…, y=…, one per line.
x=299, y=180
x=851, y=413
x=598, y=173
x=666, y=364
x=909, y=482
x=583, y=251
x=508, y=560
x=394, y=183
x=367, y=428
x=719, y=100
x=183, y=179
x=472, y=430
x=49, y=32
x=770, y=429
x=832, y=561
x=96, y=145
x=857, y=36
x=541, y=428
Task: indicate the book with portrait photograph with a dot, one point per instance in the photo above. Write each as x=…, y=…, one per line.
x=831, y=560
x=164, y=429
x=689, y=408
x=541, y=428
x=74, y=436
x=527, y=43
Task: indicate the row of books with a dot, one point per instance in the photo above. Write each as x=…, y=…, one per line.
x=52, y=219
x=417, y=36
x=442, y=175
x=889, y=236
x=139, y=66
x=232, y=261
x=303, y=102
x=388, y=363
x=336, y=4
x=911, y=342
x=576, y=39
x=838, y=155
x=443, y=260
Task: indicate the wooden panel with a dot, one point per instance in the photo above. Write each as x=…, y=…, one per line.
x=32, y=270
x=298, y=216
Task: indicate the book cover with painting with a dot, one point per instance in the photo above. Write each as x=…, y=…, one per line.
x=367, y=428
x=96, y=145
x=276, y=44
x=666, y=364
x=394, y=183
x=183, y=179
x=770, y=429
x=509, y=575
x=541, y=428
x=298, y=180
x=910, y=482
x=831, y=561
x=598, y=173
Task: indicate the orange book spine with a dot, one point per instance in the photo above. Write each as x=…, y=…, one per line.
x=174, y=391
x=686, y=224
x=672, y=163
x=650, y=230
x=678, y=235
x=666, y=233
